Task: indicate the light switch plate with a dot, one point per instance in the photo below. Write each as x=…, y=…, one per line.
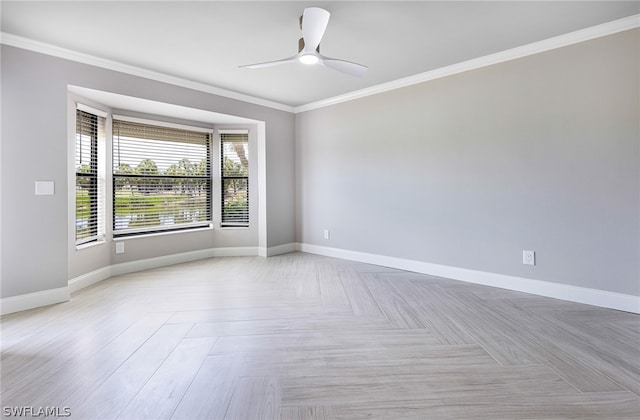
x=45, y=188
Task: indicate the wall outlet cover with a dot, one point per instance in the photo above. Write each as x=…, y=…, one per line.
x=528, y=257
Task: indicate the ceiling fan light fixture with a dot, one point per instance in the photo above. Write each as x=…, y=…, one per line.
x=308, y=59
x=313, y=23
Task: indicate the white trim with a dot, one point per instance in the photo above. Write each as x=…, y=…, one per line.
x=598, y=31
x=48, y=49
x=246, y=251
x=160, y=123
x=261, y=141
x=166, y=260
x=153, y=232
x=280, y=249
x=88, y=279
x=91, y=110
x=28, y=301
x=225, y=131
x=602, y=298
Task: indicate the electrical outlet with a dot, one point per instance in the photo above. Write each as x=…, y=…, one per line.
x=119, y=247
x=326, y=234
x=528, y=257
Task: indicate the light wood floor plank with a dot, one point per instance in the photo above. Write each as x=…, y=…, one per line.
x=70, y=383
x=255, y=398
x=349, y=337
x=209, y=394
x=593, y=406
x=431, y=316
x=477, y=323
x=365, y=360
x=543, y=346
x=359, y=296
x=457, y=383
x=392, y=304
x=306, y=413
x=161, y=395
x=115, y=393
x=331, y=288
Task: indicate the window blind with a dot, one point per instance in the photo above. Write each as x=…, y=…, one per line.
x=234, y=179
x=161, y=178
x=89, y=188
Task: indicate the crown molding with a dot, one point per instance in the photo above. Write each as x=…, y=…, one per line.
x=48, y=49
x=598, y=31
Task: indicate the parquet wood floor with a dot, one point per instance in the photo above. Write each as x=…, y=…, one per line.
x=301, y=336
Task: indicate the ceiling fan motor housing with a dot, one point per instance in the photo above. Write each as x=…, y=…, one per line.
x=301, y=46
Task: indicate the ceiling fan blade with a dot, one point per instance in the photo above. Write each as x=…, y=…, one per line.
x=292, y=59
x=353, y=69
x=314, y=23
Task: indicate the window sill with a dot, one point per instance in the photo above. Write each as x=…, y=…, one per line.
x=155, y=234
x=91, y=244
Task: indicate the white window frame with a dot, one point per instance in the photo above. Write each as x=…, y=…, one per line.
x=155, y=230
x=101, y=152
x=218, y=181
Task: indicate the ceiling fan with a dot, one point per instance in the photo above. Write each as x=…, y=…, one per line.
x=313, y=23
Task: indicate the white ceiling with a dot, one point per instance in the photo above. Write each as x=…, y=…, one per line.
x=206, y=41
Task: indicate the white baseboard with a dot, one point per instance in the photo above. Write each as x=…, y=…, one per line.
x=246, y=251
x=33, y=300
x=281, y=249
x=48, y=297
x=156, y=262
x=601, y=298
x=88, y=279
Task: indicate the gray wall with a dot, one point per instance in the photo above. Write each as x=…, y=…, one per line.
x=34, y=229
x=539, y=153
